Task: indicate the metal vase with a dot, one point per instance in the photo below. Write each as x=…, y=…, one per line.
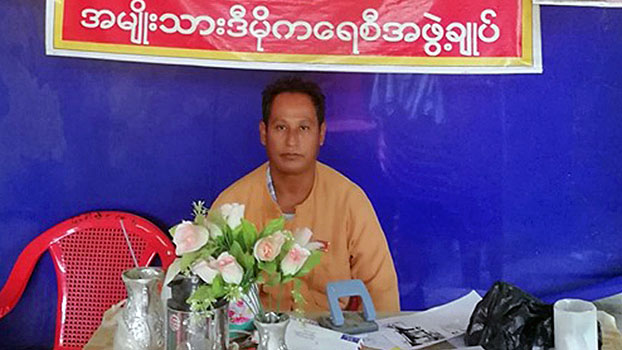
x=252, y=300
x=271, y=328
x=141, y=326
x=191, y=331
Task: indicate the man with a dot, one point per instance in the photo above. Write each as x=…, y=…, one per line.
x=310, y=194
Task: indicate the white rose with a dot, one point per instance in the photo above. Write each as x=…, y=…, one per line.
x=232, y=213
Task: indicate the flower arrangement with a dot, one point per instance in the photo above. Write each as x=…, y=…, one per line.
x=231, y=257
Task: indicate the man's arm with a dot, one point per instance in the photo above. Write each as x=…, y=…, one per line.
x=370, y=258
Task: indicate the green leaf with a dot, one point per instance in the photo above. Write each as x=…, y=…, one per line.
x=236, y=232
x=232, y=292
x=199, y=220
x=207, y=251
x=215, y=217
x=240, y=240
x=220, y=240
x=311, y=262
x=273, y=226
x=274, y=279
x=227, y=236
x=269, y=267
x=249, y=234
x=287, y=279
x=248, y=262
x=172, y=230
x=188, y=259
x=201, y=293
x=248, y=226
x=236, y=251
x=218, y=287
x=201, y=299
x=249, y=277
x=299, y=299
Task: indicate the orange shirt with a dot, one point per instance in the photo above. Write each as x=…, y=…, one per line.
x=338, y=212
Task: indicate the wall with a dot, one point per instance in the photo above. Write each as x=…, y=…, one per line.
x=474, y=178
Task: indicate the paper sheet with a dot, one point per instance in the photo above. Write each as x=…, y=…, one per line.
x=308, y=335
x=422, y=329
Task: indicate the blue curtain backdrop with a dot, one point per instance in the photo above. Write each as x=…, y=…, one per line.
x=474, y=178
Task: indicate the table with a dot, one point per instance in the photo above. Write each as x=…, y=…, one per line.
x=103, y=338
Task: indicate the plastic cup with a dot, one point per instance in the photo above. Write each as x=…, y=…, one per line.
x=575, y=325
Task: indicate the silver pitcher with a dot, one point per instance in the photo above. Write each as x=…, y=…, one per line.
x=141, y=326
x=190, y=331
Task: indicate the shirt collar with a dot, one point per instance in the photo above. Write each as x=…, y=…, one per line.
x=272, y=192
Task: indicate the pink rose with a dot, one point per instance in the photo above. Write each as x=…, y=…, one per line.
x=205, y=270
x=302, y=236
x=295, y=258
x=268, y=248
x=189, y=237
x=231, y=271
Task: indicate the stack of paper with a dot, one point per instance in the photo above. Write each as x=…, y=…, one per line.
x=426, y=328
x=445, y=323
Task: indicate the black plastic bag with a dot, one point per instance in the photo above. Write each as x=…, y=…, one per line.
x=509, y=319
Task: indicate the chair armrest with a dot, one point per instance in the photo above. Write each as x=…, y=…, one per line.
x=20, y=274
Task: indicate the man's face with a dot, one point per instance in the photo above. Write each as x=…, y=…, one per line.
x=293, y=136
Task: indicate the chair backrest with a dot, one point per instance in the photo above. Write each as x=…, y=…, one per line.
x=89, y=252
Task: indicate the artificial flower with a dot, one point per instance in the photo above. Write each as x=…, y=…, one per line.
x=302, y=236
x=231, y=271
x=189, y=237
x=232, y=213
x=173, y=269
x=295, y=258
x=209, y=247
x=268, y=248
x=205, y=270
x=214, y=230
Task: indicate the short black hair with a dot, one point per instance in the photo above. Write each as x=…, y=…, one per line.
x=293, y=84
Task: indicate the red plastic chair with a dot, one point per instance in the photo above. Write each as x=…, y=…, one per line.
x=90, y=253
